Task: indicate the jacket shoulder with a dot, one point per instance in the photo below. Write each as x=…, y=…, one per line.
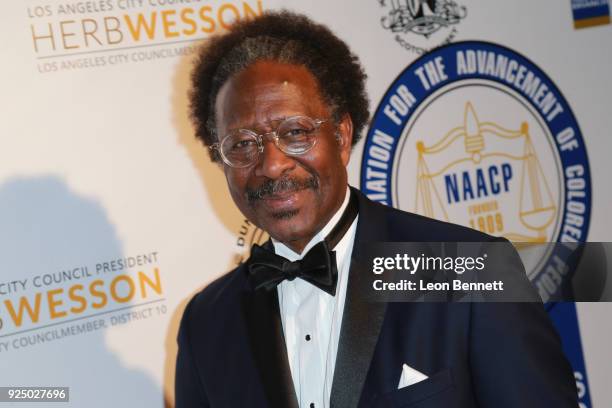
x=218, y=296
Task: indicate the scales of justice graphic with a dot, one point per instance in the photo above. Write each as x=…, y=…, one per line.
x=475, y=144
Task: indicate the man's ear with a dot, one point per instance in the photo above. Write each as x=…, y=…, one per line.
x=344, y=137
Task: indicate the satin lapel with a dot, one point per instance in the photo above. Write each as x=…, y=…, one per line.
x=265, y=333
x=362, y=320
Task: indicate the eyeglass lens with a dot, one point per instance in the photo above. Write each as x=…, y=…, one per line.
x=294, y=136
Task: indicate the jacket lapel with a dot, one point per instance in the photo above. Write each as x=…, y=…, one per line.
x=265, y=335
x=362, y=320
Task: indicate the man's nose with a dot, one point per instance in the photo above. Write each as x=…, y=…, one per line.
x=272, y=161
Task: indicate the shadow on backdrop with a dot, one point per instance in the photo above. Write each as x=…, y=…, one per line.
x=46, y=228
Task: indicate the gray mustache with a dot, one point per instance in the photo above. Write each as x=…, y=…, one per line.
x=280, y=186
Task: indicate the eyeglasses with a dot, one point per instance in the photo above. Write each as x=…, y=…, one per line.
x=294, y=136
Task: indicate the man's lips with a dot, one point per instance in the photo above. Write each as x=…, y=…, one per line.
x=283, y=201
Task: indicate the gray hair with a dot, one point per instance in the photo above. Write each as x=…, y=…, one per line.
x=287, y=38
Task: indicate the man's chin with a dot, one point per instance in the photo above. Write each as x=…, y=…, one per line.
x=282, y=223
x=286, y=226
x=285, y=215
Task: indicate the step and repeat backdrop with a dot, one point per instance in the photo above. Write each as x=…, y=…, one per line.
x=494, y=115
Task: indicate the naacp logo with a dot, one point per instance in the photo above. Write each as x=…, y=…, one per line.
x=416, y=22
x=475, y=134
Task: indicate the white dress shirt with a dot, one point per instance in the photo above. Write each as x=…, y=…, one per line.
x=311, y=319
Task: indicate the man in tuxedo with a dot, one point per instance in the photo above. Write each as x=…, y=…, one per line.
x=280, y=101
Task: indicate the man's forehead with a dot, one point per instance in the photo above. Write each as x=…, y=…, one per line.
x=266, y=92
x=273, y=76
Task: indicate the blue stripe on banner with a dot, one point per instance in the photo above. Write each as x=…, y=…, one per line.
x=590, y=12
x=565, y=319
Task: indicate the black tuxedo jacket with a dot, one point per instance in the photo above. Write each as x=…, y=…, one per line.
x=232, y=351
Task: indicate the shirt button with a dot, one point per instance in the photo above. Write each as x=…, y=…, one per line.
x=308, y=339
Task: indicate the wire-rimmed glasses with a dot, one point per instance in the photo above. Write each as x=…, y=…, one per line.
x=294, y=136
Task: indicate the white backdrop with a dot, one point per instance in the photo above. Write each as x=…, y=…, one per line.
x=101, y=178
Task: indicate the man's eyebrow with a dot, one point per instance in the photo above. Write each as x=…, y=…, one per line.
x=252, y=126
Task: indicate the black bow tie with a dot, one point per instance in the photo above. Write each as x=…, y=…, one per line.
x=318, y=266
x=266, y=269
